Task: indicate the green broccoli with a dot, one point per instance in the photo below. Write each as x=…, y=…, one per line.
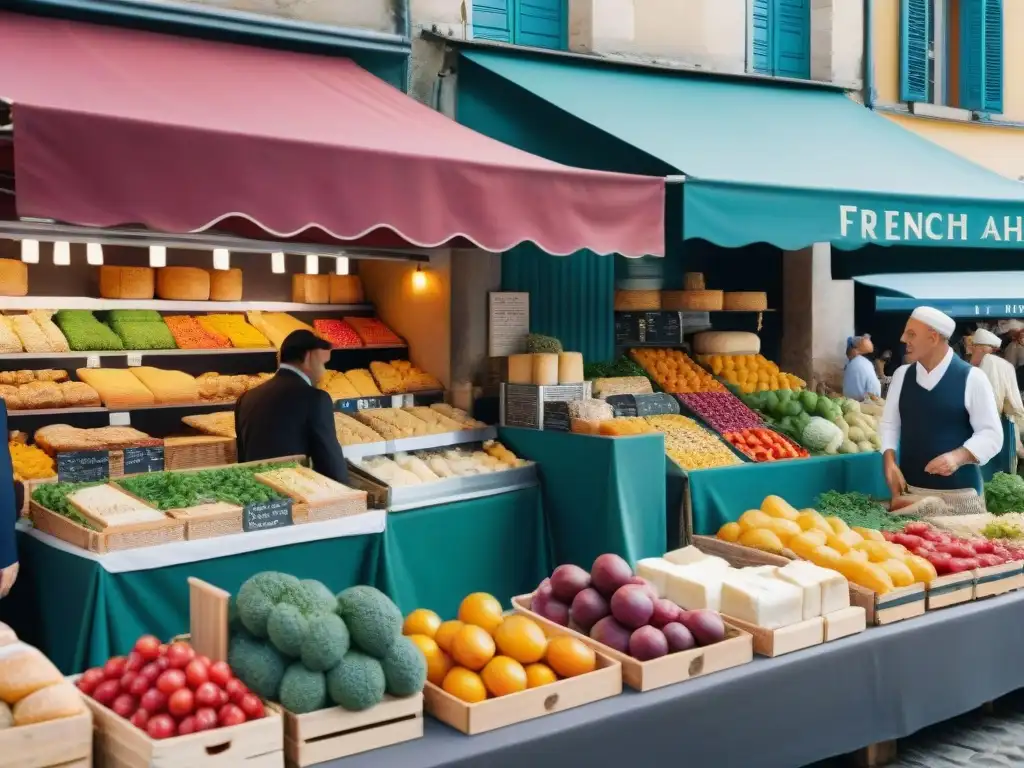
x=303, y=690
x=405, y=668
x=374, y=622
x=256, y=663
x=357, y=682
x=319, y=592
x=326, y=642
x=287, y=629
x=258, y=603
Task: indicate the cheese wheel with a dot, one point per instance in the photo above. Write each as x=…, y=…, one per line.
x=545, y=369
x=13, y=278
x=691, y=301
x=51, y=703
x=520, y=369
x=311, y=289
x=750, y=301
x=570, y=368
x=183, y=284
x=726, y=343
x=346, y=289
x=226, y=284
x=694, y=281
x=637, y=301
x=126, y=282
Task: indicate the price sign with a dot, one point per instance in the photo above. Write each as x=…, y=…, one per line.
x=92, y=361
x=648, y=328
x=139, y=460
x=83, y=466
x=354, y=404
x=265, y=515
x=120, y=419
x=134, y=360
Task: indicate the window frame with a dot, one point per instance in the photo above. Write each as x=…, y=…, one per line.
x=749, y=62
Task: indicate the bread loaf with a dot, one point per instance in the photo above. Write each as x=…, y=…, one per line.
x=126, y=282
x=183, y=284
x=226, y=284
x=570, y=368
x=51, y=703
x=311, y=289
x=346, y=289
x=24, y=670
x=13, y=278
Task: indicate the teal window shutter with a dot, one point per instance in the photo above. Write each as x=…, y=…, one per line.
x=542, y=23
x=761, y=36
x=791, y=38
x=981, y=55
x=492, y=20
x=915, y=18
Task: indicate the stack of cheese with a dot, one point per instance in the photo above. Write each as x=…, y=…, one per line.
x=304, y=484
x=276, y=326
x=546, y=368
x=764, y=596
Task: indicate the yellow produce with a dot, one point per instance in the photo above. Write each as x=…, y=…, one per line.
x=827, y=557
x=30, y=462
x=857, y=556
x=421, y=622
x=754, y=518
x=784, y=529
x=869, y=534
x=482, y=610
x=838, y=544
x=851, y=537
x=897, y=551
x=625, y=426
x=804, y=544
x=521, y=639
x=730, y=532
x=465, y=685
x=923, y=571
x=751, y=373
x=690, y=445
x=869, y=575
x=811, y=520
x=776, y=506
x=675, y=372
x=761, y=538
x=838, y=525
x=570, y=657
x=899, y=572
x=438, y=662
x=446, y=634
x=472, y=647
x=539, y=674
x=875, y=551
x=503, y=676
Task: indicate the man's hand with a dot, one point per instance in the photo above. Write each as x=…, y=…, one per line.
x=948, y=463
x=7, y=578
x=894, y=477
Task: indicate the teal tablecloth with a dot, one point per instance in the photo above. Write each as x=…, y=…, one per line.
x=601, y=494
x=79, y=614
x=719, y=496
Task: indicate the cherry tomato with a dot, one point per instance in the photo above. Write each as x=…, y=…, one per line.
x=230, y=714
x=140, y=718
x=148, y=647
x=134, y=662
x=251, y=706
x=151, y=671
x=196, y=673
x=125, y=705
x=204, y=659
x=179, y=655
x=114, y=668
x=153, y=701
x=127, y=679
x=187, y=726
x=206, y=718
x=220, y=673
x=208, y=695
x=139, y=686
x=163, y=649
x=170, y=681
x=236, y=690
x=162, y=663
x=181, y=703
x=160, y=727
x=224, y=698
x=106, y=692
x=90, y=679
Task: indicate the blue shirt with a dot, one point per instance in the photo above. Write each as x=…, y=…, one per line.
x=860, y=379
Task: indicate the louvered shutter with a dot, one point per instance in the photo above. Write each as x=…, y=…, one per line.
x=492, y=20
x=791, y=38
x=981, y=55
x=761, y=36
x=542, y=23
x=915, y=17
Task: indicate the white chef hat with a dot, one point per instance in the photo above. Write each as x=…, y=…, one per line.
x=983, y=338
x=936, y=320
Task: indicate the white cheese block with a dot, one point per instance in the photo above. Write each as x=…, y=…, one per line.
x=808, y=582
x=691, y=556
x=693, y=586
x=761, y=570
x=656, y=570
x=763, y=602
x=835, y=589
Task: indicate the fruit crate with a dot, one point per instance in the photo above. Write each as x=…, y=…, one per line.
x=998, y=580
x=472, y=719
x=102, y=542
x=951, y=589
x=897, y=605
x=736, y=649
x=64, y=743
x=315, y=737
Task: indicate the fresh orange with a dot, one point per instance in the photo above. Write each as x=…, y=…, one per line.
x=464, y=685
x=522, y=639
x=472, y=647
x=421, y=622
x=503, y=676
x=570, y=657
x=481, y=610
x=539, y=674
x=438, y=662
x=446, y=633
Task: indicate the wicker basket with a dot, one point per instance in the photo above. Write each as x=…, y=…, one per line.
x=197, y=451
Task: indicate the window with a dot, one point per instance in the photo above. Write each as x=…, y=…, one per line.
x=780, y=38
x=952, y=53
x=536, y=23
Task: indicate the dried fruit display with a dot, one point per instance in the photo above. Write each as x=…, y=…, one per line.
x=373, y=332
x=340, y=334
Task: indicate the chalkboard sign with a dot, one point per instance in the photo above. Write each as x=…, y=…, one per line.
x=643, y=405
x=83, y=466
x=139, y=460
x=264, y=515
x=648, y=328
x=355, y=404
x=556, y=417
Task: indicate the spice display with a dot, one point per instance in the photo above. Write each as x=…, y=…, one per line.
x=179, y=490
x=85, y=333
x=340, y=334
x=690, y=445
x=722, y=411
x=373, y=332
x=141, y=329
x=189, y=334
x=30, y=462
x=236, y=329
x=675, y=372
x=276, y=325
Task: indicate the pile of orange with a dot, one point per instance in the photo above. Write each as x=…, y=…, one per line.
x=675, y=372
x=485, y=654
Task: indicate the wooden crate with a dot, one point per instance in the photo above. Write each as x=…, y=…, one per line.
x=845, y=622
x=315, y=737
x=997, y=580
x=952, y=589
x=777, y=642
x=899, y=604
x=736, y=649
x=100, y=542
x=354, y=502
x=254, y=744
x=55, y=744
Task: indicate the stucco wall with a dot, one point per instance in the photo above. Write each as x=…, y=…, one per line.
x=376, y=15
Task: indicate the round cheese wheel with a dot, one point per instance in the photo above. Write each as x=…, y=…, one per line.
x=726, y=343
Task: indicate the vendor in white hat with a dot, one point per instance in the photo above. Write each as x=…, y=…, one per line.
x=940, y=414
x=1003, y=378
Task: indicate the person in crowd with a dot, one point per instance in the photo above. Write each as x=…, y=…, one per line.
x=1014, y=352
x=8, y=515
x=940, y=414
x=288, y=415
x=860, y=378
x=1003, y=378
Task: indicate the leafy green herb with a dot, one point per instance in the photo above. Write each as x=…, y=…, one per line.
x=624, y=366
x=180, y=490
x=858, y=509
x=1004, y=493
x=54, y=496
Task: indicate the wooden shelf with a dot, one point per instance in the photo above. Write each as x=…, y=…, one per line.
x=271, y=351
x=84, y=302
x=226, y=405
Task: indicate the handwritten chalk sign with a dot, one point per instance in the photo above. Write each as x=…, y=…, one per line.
x=508, y=322
x=83, y=466
x=265, y=515
x=146, y=459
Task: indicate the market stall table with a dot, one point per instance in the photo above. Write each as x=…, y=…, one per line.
x=786, y=712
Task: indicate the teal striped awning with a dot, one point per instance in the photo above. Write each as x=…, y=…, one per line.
x=781, y=163
x=958, y=294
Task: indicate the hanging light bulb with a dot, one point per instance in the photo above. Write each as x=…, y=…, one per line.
x=30, y=251
x=62, y=253
x=277, y=263
x=157, y=256
x=94, y=254
x=341, y=267
x=312, y=264
x=221, y=258
x=419, y=278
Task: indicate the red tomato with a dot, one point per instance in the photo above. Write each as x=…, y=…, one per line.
x=208, y=695
x=160, y=727
x=236, y=690
x=962, y=564
x=220, y=673
x=204, y=659
x=140, y=718
x=139, y=685
x=151, y=671
x=940, y=560
x=251, y=706
x=206, y=718
x=983, y=547
x=114, y=668
x=153, y=701
x=90, y=679
x=170, y=681
x=162, y=663
x=181, y=703
x=106, y=692
x=148, y=647
x=125, y=705
x=196, y=673
x=987, y=559
x=908, y=540
x=179, y=655
x=135, y=662
x=187, y=726
x=163, y=649
x=230, y=714
x=127, y=679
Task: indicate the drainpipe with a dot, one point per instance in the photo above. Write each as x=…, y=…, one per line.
x=403, y=25
x=869, y=57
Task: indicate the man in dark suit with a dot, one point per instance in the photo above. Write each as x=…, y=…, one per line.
x=8, y=513
x=288, y=415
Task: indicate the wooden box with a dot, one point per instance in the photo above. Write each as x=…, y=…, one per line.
x=351, y=503
x=101, y=542
x=997, y=580
x=952, y=589
x=198, y=451
x=899, y=604
x=843, y=623
x=736, y=649
x=55, y=744
x=255, y=744
x=776, y=642
x=472, y=719
x=315, y=737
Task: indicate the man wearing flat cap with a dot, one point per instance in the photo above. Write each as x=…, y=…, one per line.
x=1003, y=378
x=940, y=413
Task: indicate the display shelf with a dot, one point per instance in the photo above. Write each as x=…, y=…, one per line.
x=424, y=443
x=446, y=491
x=270, y=351
x=85, y=302
x=70, y=411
